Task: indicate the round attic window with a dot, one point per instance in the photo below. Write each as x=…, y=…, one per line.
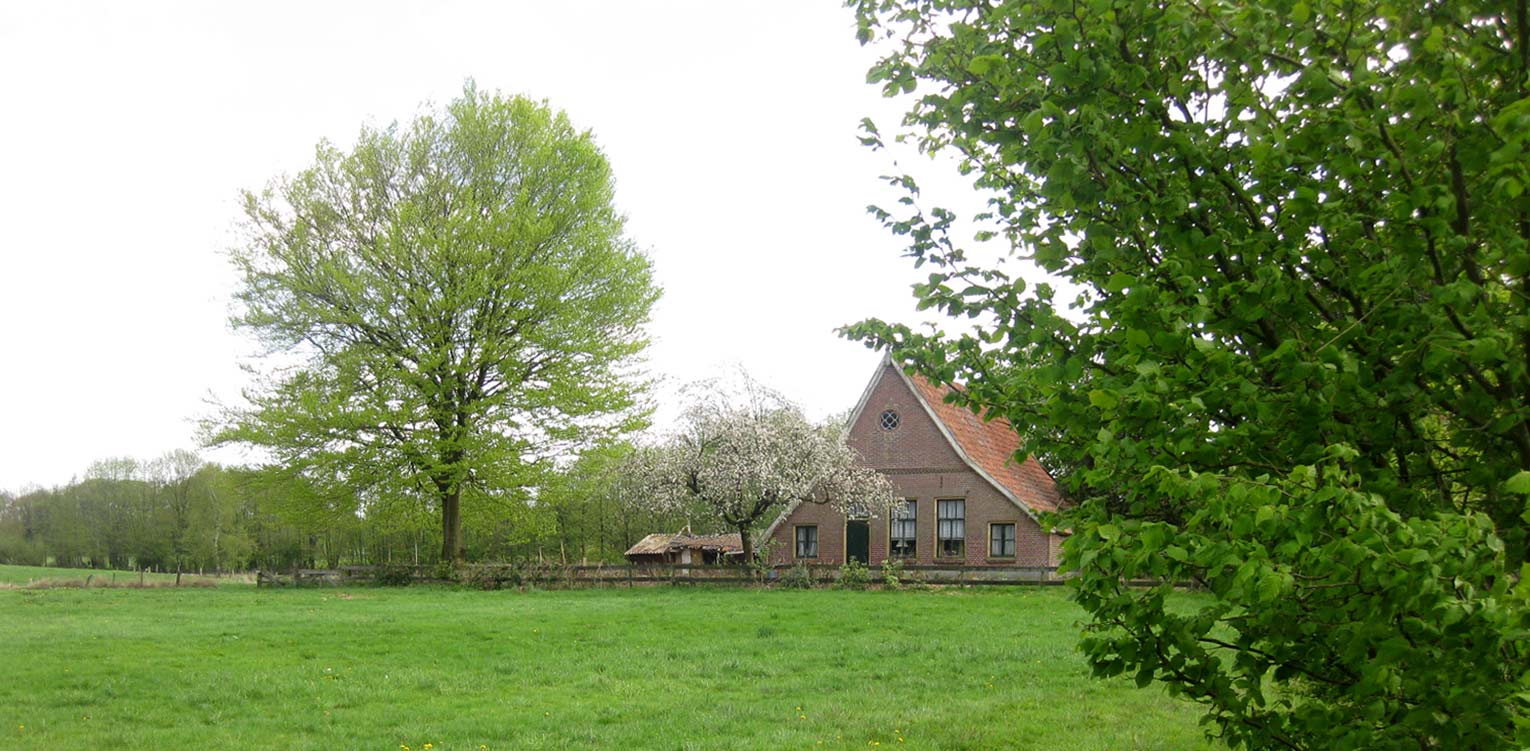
x=890, y=420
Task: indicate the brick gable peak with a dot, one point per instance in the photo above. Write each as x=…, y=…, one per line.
x=987, y=444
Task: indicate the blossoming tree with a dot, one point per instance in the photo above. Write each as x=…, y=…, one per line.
x=746, y=453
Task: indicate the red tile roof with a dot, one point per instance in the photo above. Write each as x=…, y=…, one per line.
x=992, y=445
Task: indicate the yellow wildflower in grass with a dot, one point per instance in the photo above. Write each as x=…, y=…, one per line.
x=428, y=745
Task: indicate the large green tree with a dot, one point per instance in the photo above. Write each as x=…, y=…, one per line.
x=449, y=302
x=1296, y=372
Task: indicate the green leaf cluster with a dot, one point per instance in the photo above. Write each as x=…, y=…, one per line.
x=1297, y=369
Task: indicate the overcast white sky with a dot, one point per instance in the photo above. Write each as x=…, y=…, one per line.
x=129, y=129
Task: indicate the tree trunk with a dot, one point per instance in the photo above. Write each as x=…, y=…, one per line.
x=451, y=526
x=743, y=536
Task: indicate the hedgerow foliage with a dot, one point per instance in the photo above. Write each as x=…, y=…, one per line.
x=1297, y=370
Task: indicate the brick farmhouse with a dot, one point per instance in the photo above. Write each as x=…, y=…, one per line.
x=966, y=500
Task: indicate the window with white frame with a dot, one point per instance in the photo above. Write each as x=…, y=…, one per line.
x=807, y=541
x=1001, y=540
x=902, y=531
x=951, y=528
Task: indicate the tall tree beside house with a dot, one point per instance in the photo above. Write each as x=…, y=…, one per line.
x=1299, y=370
x=449, y=303
x=744, y=453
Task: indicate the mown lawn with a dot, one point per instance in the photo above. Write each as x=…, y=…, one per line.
x=656, y=668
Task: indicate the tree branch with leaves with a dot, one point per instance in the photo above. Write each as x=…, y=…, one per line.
x=1298, y=370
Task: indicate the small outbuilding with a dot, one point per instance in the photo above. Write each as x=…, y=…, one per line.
x=687, y=548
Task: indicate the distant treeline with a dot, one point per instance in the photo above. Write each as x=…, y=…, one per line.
x=179, y=513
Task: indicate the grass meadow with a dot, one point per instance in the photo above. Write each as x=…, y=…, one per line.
x=21, y=576
x=649, y=668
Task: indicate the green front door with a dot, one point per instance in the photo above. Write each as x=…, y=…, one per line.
x=857, y=541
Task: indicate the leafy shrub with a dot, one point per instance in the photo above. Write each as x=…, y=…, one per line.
x=854, y=575
x=393, y=576
x=760, y=568
x=796, y=577
x=892, y=573
x=446, y=571
x=490, y=577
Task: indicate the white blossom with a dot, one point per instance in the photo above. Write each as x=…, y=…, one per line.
x=746, y=453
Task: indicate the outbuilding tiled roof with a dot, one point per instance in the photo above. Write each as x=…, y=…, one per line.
x=992, y=445
x=727, y=543
x=654, y=544
x=659, y=543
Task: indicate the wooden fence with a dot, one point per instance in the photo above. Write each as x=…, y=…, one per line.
x=497, y=576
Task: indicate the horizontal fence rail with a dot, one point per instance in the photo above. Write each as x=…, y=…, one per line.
x=494, y=576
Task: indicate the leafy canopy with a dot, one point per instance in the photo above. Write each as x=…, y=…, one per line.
x=451, y=301
x=1297, y=370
